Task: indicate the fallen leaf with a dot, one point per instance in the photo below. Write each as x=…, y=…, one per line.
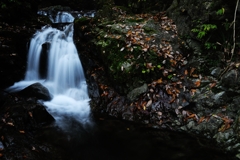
x=149, y=103
x=21, y=131
x=159, y=81
x=198, y=83
x=10, y=124
x=30, y=114
x=145, y=49
x=213, y=84
x=192, y=70
x=195, y=75
x=201, y=120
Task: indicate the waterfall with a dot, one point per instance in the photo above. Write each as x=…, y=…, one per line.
x=64, y=73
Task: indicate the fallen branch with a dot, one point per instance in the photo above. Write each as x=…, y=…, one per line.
x=234, y=30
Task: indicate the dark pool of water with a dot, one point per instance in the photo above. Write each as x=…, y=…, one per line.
x=112, y=139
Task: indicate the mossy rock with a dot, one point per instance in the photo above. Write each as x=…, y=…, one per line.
x=82, y=21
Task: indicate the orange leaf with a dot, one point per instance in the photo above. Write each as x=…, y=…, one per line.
x=159, y=81
x=193, y=91
x=173, y=62
x=169, y=91
x=201, y=120
x=198, y=83
x=147, y=38
x=213, y=84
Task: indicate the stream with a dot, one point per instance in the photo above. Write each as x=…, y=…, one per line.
x=79, y=134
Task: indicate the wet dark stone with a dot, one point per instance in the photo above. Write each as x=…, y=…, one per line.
x=44, y=60
x=36, y=90
x=41, y=116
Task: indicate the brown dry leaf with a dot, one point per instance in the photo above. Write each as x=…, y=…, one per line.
x=10, y=124
x=169, y=91
x=21, y=131
x=201, y=120
x=192, y=116
x=145, y=49
x=144, y=103
x=186, y=72
x=195, y=75
x=30, y=114
x=129, y=33
x=224, y=127
x=149, y=103
x=213, y=84
x=192, y=70
x=151, y=90
x=173, y=62
x=104, y=93
x=147, y=38
x=149, y=65
x=165, y=73
x=198, y=83
x=167, y=28
x=173, y=98
x=159, y=81
x=193, y=91
x=164, y=18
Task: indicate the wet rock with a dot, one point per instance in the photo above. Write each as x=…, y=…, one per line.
x=220, y=98
x=210, y=127
x=93, y=89
x=216, y=72
x=36, y=90
x=230, y=79
x=41, y=115
x=136, y=92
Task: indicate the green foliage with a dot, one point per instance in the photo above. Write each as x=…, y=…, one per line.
x=220, y=11
x=203, y=29
x=209, y=45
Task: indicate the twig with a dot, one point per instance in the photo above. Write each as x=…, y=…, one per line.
x=234, y=30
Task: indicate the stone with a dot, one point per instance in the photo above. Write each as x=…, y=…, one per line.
x=220, y=98
x=136, y=92
x=36, y=90
x=41, y=116
x=216, y=72
x=230, y=79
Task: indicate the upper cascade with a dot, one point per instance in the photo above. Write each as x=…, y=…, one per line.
x=65, y=16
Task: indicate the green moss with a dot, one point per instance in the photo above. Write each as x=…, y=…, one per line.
x=82, y=21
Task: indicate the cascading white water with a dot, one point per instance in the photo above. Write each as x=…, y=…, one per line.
x=65, y=77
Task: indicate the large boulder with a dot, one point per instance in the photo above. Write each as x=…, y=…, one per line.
x=36, y=90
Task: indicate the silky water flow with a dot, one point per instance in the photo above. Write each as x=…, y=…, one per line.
x=64, y=77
